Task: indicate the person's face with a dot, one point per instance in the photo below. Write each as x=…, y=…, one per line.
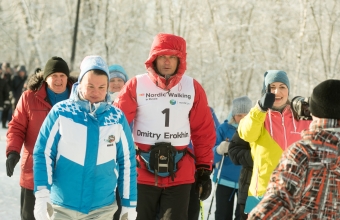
x=116, y=84
x=21, y=74
x=238, y=117
x=166, y=64
x=8, y=70
x=281, y=93
x=57, y=82
x=94, y=87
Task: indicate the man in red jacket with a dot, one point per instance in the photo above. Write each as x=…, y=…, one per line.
x=168, y=109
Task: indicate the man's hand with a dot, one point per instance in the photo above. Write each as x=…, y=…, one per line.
x=12, y=160
x=203, y=183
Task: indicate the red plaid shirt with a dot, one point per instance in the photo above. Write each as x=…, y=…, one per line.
x=306, y=182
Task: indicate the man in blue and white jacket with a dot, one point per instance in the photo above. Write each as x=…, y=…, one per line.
x=83, y=152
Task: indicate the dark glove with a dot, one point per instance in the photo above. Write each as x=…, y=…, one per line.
x=203, y=183
x=12, y=160
x=267, y=100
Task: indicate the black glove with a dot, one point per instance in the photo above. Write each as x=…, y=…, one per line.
x=203, y=183
x=12, y=160
x=267, y=100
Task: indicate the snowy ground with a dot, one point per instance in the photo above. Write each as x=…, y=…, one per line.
x=9, y=186
x=10, y=189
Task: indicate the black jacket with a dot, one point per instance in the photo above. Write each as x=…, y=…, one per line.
x=4, y=93
x=17, y=85
x=239, y=154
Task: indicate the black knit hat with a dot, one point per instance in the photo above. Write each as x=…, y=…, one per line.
x=324, y=101
x=56, y=64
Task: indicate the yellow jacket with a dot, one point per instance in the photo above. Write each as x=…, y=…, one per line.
x=269, y=134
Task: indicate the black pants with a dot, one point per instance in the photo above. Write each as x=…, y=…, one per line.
x=194, y=204
x=243, y=216
x=119, y=204
x=27, y=202
x=225, y=203
x=171, y=202
x=5, y=116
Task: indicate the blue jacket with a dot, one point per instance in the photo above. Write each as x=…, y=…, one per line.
x=216, y=124
x=82, y=153
x=230, y=173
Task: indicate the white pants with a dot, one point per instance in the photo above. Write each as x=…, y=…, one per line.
x=104, y=213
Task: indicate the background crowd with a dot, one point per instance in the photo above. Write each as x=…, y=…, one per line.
x=12, y=84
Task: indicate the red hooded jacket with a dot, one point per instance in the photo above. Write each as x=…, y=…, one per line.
x=201, y=122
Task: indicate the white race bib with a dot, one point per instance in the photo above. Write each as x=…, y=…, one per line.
x=163, y=116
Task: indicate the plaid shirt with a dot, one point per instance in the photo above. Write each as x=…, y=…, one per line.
x=306, y=182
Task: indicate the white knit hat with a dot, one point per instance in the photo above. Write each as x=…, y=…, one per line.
x=241, y=105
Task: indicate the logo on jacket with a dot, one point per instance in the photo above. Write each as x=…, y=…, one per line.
x=172, y=102
x=110, y=140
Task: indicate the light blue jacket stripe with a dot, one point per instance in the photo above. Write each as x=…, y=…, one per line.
x=49, y=135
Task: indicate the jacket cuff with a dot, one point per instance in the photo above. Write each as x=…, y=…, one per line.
x=203, y=166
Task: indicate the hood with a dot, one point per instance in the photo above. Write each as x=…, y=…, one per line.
x=167, y=44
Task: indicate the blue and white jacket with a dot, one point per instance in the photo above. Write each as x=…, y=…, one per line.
x=230, y=172
x=83, y=152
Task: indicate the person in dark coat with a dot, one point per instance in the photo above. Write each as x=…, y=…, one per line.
x=239, y=154
x=4, y=95
x=18, y=81
x=7, y=108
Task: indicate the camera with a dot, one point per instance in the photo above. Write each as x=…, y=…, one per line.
x=300, y=106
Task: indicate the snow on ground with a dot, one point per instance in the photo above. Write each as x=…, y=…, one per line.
x=10, y=189
x=9, y=186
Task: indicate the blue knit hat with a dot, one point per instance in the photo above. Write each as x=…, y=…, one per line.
x=272, y=76
x=93, y=62
x=117, y=71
